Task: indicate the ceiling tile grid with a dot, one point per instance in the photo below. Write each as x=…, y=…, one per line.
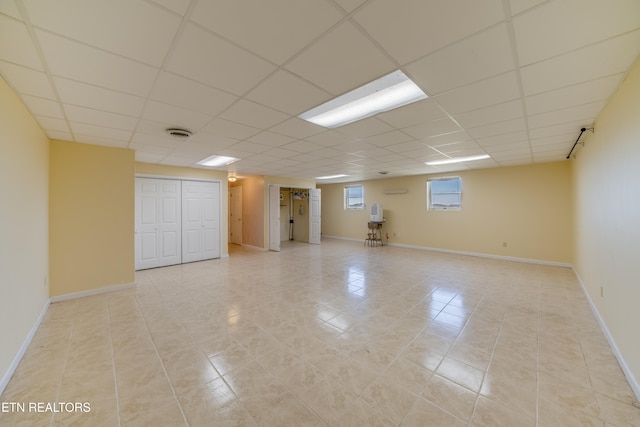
x=515, y=79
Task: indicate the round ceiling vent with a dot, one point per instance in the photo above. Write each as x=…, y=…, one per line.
x=179, y=133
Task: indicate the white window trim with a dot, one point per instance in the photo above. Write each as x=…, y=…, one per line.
x=344, y=198
x=443, y=208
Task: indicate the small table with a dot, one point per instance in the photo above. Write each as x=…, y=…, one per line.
x=374, y=234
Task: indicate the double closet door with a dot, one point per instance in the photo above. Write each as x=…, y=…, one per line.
x=176, y=221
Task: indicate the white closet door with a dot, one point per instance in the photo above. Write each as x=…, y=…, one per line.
x=274, y=218
x=200, y=220
x=157, y=223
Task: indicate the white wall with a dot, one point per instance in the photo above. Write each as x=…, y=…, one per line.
x=24, y=218
x=607, y=219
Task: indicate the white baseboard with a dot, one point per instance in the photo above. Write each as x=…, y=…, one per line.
x=23, y=349
x=633, y=382
x=103, y=290
x=454, y=252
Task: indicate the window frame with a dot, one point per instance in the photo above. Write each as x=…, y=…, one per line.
x=434, y=207
x=348, y=207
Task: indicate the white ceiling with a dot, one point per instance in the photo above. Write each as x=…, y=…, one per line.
x=515, y=79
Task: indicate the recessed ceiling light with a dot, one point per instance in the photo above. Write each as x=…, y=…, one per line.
x=331, y=176
x=457, y=160
x=391, y=91
x=217, y=161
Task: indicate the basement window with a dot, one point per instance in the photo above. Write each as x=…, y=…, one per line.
x=444, y=194
x=354, y=197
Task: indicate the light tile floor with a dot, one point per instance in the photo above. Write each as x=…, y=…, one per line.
x=337, y=334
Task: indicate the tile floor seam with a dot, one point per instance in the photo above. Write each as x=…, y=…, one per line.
x=166, y=374
x=113, y=367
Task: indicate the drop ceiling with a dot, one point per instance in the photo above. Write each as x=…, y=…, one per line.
x=515, y=79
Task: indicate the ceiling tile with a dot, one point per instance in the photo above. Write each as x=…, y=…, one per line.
x=491, y=91
x=504, y=139
x=413, y=114
x=365, y=128
x=448, y=138
x=252, y=114
x=268, y=27
x=76, y=61
x=405, y=147
x=213, y=142
x=27, y=81
x=341, y=61
x=495, y=113
x=297, y=128
x=101, y=140
x=271, y=139
x=518, y=6
x=508, y=126
x=177, y=6
x=561, y=129
x=98, y=98
x=144, y=31
x=564, y=30
x=100, y=132
x=603, y=59
x=8, y=7
x=586, y=112
x=250, y=147
x=286, y=92
x=60, y=135
x=230, y=129
x=43, y=107
x=301, y=146
x=457, y=146
x=434, y=128
x=182, y=92
x=350, y=5
x=329, y=138
x=571, y=96
x=175, y=116
x=388, y=138
x=16, y=45
x=483, y=55
x=419, y=27
x=209, y=59
x=52, y=124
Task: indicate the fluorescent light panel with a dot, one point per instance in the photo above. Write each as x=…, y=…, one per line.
x=217, y=161
x=391, y=91
x=457, y=160
x=331, y=176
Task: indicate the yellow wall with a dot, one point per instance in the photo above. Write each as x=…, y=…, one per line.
x=528, y=207
x=252, y=210
x=195, y=173
x=607, y=218
x=24, y=259
x=91, y=217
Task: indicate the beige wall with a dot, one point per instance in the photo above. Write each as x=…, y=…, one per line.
x=24, y=234
x=252, y=210
x=528, y=207
x=146, y=169
x=91, y=217
x=607, y=218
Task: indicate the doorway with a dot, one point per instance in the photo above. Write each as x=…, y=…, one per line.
x=235, y=215
x=294, y=215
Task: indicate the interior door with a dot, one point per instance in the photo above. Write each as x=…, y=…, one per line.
x=200, y=220
x=235, y=215
x=314, y=216
x=274, y=218
x=157, y=223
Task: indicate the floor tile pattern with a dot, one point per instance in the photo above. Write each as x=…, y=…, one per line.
x=329, y=335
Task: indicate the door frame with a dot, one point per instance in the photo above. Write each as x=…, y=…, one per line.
x=272, y=229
